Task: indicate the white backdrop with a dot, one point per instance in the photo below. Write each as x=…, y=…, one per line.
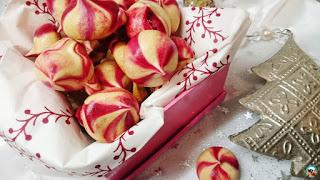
x=301, y=16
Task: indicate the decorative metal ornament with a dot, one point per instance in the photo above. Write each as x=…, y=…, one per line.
x=289, y=105
x=199, y=3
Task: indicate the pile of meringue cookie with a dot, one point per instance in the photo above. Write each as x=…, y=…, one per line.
x=117, y=51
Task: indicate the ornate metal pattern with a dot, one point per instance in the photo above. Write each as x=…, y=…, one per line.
x=289, y=105
x=199, y=3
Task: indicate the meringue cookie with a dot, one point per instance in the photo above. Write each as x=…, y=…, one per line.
x=44, y=36
x=125, y=4
x=57, y=7
x=109, y=113
x=109, y=74
x=92, y=19
x=147, y=15
x=172, y=9
x=65, y=66
x=185, y=53
x=149, y=59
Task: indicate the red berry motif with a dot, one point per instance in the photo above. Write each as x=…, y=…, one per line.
x=41, y=8
x=201, y=22
x=32, y=119
x=121, y=149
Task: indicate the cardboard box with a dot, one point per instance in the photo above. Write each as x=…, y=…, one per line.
x=180, y=115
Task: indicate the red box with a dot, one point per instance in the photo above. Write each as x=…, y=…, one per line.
x=180, y=116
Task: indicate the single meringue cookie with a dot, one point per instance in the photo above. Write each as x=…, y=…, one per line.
x=125, y=4
x=92, y=19
x=109, y=74
x=90, y=45
x=92, y=86
x=57, y=7
x=185, y=52
x=140, y=93
x=65, y=66
x=147, y=15
x=44, y=37
x=109, y=113
x=149, y=59
x=172, y=9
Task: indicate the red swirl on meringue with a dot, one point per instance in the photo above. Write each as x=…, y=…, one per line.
x=147, y=15
x=109, y=74
x=140, y=93
x=109, y=113
x=92, y=86
x=185, y=52
x=92, y=19
x=65, y=66
x=57, y=7
x=125, y=4
x=172, y=9
x=217, y=163
x=44, y=36
x=149, y=59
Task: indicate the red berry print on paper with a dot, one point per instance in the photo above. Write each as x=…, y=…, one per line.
x=98, y=172
x=203, y=23
x=191, y=73
x=121, y=149
x=41, y=8
x=32, y=119
x=20, y=150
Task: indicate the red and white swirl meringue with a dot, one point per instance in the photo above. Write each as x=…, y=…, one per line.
x=92, y=86
x=140, y=93
x=65, y=66
x=149, y=59
x=44, y=36
x=109, y=74
x=57, y=7
x=147, y=15
x=90, y=45
x=186, y=54
x=109, y=113
x=78, y=116
x=92, y=19
x=217, y=163
x=125, y=4
x=172, y=9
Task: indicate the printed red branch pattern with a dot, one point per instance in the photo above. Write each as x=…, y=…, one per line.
x=32, y=119
x=190, y=72
x=21, y=151
x=41, y=8
x=24, y=153
x=121, y=149
x=204, y=22
x=13, y=145
x=99, y=172
x=204, y=61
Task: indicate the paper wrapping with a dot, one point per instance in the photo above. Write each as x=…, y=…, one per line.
x=37, y=122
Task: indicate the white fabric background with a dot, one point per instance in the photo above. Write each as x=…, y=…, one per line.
x=301, y=16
